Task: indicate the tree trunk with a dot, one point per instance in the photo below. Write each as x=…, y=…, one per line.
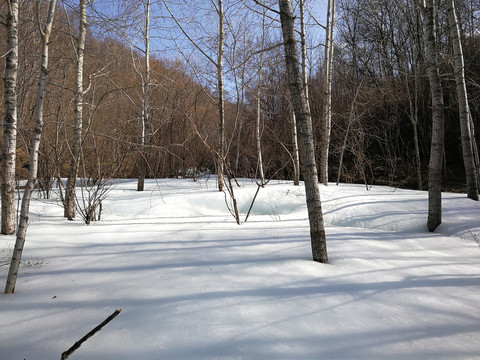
x=413, y=114
x=143, y=167
x=10, y=121
x=296, y=157
x=305, y=132
x=351, y=119
x=418, y=161
x=69, y=204
x=464, y=112
x=303, y=47
x=221, y=103
x=438, y=122
x=327, y=93
x=258, y=133
x=37, y=134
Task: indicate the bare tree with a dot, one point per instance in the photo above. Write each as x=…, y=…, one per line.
x=295, y=155
x=221, y=152
x=430, y=14
x=10, y=121
x=305, y=132
x=45, y=32
x=467, y=136
x=69, y=203
x=145, y=138
x=258, y=133
x=221, y=96
x=327, y=92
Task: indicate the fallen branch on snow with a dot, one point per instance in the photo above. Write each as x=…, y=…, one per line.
x=79, y=343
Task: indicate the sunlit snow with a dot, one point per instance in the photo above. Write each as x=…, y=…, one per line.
x=194, y=285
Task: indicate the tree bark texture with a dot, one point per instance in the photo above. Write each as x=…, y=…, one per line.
x=438, y=121
x=258, y=137
x=69, y=205
x=221, y=102
x=464, y=111
x=145, y=105
x=327, y=93
x=296, y=156
x=34, y=149
x=305, y=134
x=10, y=121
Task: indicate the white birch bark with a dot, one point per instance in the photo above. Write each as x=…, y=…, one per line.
x=69, y=204
x=305, y=132
x=296, y=156
x=303, y=47
x=145, y=104
x=10, y=121
x=34, y=149
x=221, y=101
x=327, y=93
x=464, y=111
x=258, y=133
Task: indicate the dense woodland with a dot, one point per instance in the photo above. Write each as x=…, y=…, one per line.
x=375, y=92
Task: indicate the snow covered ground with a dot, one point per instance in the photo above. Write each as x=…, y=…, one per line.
x=194, y=285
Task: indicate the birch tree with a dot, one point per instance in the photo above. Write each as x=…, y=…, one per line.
x=45, y=32
x=429, y=8
x=221, y=97
x=10, y=121
x=69, y=202
x=295, y=154
x=145, y=136
x=468, y=140
x=327, y=92
x=305, y=132
x=258, y=133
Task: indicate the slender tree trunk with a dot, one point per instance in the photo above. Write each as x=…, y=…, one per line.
x=303, y=47
x=10, y=121
x=418, y=76
x=418, y=161
x=69, y=204
x=327, y=93
x=296, y=156
x=438, y=122
x=145, y=105
x=239, y=141
x=37, y=134
x=221, y=102
x=351, y=119
x=258, y=135
x=464, y=112
x=305, y=132
x=413, y=109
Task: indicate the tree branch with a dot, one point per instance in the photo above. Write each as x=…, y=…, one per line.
x=79, y=343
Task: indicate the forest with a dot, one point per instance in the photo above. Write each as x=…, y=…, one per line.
x=380, y=97
x=364, y=91
x=154, y=150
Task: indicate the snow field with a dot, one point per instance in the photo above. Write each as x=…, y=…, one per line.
x=194, y=285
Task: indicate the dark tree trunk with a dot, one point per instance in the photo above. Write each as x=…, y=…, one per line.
x=438, y=121
x=305, y=134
